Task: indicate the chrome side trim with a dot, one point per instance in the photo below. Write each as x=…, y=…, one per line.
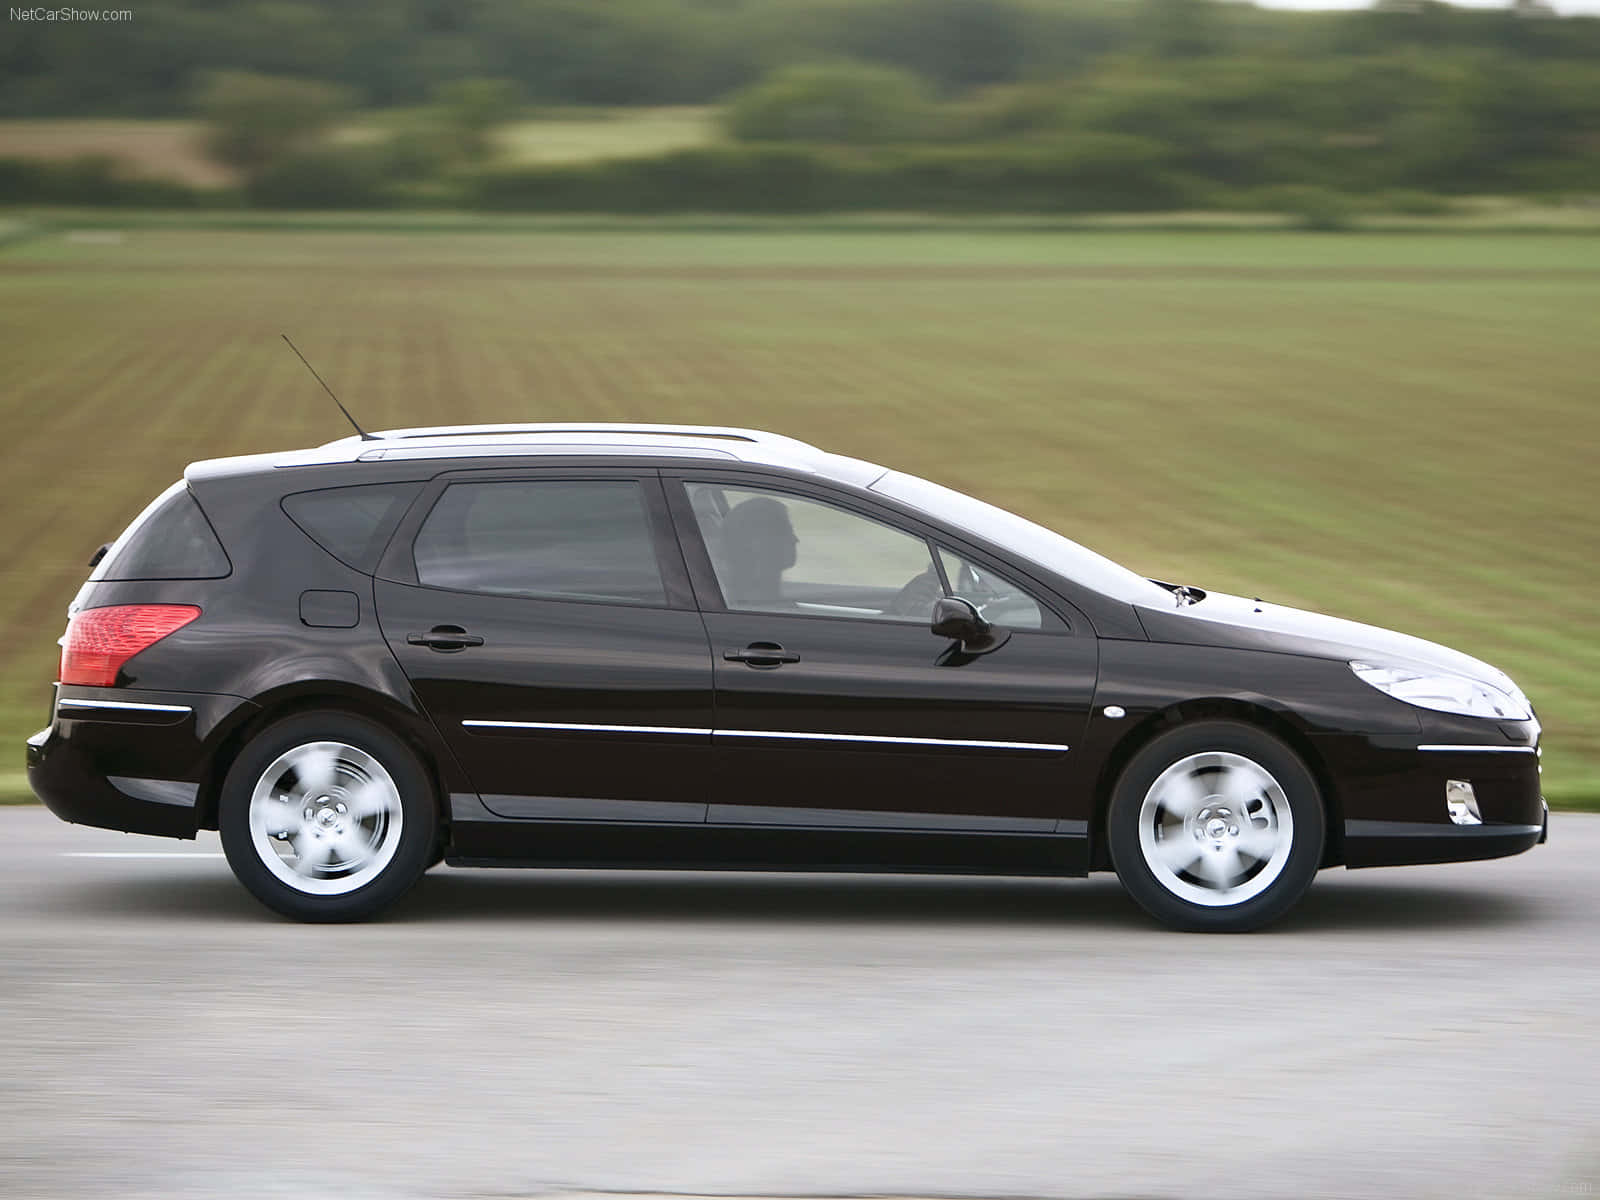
x=851, y=818
x=1047, y=747
x=567, y=727
x=1484, y=749
x=124, y=705
x=582, y=808
x=573, y=727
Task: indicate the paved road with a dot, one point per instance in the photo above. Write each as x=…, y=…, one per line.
x=1422, y=1032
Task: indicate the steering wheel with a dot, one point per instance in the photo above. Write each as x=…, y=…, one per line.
x=969, y=584
x=917, y=597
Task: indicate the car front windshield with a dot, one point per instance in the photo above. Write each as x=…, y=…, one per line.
x=1022, y=536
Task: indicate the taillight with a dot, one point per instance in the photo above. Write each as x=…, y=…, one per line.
x=100, y=640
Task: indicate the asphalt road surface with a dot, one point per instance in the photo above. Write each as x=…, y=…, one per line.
x=1429, y=1032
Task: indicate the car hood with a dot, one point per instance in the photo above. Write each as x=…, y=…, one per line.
x=1224, y=620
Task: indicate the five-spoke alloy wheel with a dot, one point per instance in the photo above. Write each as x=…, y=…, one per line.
x=327, y=817
x=1216, y=826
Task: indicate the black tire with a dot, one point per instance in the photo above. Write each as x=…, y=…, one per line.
x=1220, y=764
x=404, y=837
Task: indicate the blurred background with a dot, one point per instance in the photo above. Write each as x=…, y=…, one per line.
x=1296, y=304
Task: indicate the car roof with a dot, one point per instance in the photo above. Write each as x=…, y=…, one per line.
x=710, y=444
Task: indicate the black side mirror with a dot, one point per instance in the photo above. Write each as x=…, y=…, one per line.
x=960, y=620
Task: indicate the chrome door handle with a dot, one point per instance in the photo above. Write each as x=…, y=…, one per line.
x=444, y=637
x=762, y=654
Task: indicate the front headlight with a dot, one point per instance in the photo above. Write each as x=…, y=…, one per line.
x=1443, y=692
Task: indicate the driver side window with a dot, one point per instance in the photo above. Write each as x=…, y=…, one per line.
x=996, y=598
x=774, y=552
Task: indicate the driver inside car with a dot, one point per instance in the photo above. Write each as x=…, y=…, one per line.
x=759, y=542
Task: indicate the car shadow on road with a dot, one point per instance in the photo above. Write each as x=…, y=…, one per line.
x=756, y=898
x=1371, y=901
x=447, y=895
x=1098, y=902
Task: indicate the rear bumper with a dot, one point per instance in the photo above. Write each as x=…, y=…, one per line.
x=114, y=761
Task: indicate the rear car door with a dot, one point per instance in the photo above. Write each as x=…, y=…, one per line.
x=544, y=619
x=836, y=704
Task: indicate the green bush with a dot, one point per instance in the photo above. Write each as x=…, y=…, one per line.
x=327, y=177
x=1093, y=174
x=470, y=110
x=254, y=120
x=759, y=179
x=1012, y=111
x=94, y=181
x=1410, y=202
x=846, y=103
x=1312, y=207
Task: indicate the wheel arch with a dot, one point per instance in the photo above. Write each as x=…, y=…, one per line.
x=1215, y=708
x=410, y=726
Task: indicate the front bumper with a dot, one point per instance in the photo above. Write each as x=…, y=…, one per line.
x=129, y=760
x=1391, y=790
x=1399, y=843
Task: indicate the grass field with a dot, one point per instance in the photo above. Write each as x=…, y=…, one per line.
x=1397, y=429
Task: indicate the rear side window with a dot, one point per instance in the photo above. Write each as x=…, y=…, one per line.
x=575, y=539
x=171, y=539
x=353, y=524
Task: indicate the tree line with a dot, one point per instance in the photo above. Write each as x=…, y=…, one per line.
x=390, y=53
x=926, y=105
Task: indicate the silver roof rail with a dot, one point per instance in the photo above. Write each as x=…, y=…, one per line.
x=617, y=429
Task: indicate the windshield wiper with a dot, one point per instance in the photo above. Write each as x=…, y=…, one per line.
x=1182, y=593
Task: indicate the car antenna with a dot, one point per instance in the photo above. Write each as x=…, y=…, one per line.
x=365, y=436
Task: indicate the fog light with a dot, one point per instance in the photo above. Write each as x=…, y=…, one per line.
x=1461, y=803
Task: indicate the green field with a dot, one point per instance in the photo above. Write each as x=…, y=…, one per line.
x=1395, y=428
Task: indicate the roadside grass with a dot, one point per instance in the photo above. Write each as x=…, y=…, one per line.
x=1393, y=428
x=1479, y=215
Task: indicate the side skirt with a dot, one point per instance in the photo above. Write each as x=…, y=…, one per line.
x=521, y=843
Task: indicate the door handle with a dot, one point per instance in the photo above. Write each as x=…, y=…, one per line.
x=762, y=654
x=444, y=637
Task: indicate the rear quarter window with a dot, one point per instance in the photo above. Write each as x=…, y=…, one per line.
x=551, y=539
x=171, y=539
x=353, y=524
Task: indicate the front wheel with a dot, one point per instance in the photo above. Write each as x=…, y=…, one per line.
x=1216, y=827
x=327, y=817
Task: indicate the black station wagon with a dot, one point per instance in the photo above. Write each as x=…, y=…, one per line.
x=659, y=646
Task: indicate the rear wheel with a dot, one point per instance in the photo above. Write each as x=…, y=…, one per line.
x=328, y=817
x=1216, y=826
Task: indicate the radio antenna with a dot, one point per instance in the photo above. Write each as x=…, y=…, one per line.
x=365, y=436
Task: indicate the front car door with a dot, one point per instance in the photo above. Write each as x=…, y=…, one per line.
x=836, y=705
x=545, y=621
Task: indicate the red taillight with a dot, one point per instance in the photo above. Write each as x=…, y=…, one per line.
x=100, y=640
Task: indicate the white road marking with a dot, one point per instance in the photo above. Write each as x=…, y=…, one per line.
x=137, y=854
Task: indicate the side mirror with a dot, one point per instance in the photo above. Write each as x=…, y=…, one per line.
x=960, y=620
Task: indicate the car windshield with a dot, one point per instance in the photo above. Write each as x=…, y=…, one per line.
x=1033, y=542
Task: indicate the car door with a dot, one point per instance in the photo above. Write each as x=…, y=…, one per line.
x=836, y=704
x=545, y=621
